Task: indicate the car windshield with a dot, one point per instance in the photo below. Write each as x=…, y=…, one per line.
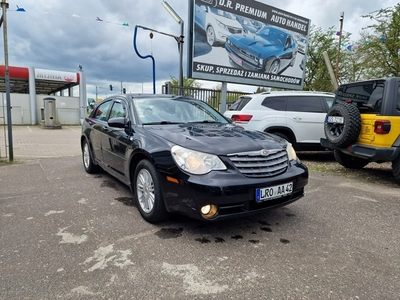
x=272, y=35
x=176, y=111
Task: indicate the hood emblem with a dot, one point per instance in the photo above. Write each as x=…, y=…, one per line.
x=264, y=152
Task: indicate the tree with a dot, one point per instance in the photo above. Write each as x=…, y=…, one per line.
x=187, y=82
x=380, y=44
x=316, y=76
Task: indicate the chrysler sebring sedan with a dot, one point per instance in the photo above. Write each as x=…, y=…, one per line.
x=180, y=155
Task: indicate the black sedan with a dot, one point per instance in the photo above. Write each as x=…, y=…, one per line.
x=180, y=155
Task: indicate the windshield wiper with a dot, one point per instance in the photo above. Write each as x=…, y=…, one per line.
x=162, y=123
x=204, y=121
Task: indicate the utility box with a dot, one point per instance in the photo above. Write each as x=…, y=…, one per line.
x=50, y=119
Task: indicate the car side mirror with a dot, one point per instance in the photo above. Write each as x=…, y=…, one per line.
x=119, y=122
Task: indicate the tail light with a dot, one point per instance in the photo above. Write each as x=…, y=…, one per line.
x=382, y=126
x=242, y=119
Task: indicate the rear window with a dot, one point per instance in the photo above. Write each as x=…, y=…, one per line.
x=277, y=103
x=240, y=103
x=366, y=95
x=311, y=104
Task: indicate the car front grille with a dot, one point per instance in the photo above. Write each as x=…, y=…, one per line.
x=256, y=165
x=234, y=30
x=242, y=53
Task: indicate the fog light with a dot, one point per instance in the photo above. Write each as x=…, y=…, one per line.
x=209, y=211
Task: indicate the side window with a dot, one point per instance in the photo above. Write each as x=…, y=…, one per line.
x=102, y=111
x=311, y=104
x=118, y=110
x=329, y=101
x=276, y=103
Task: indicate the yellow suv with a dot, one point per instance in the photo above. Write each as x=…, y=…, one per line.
x=363, y=125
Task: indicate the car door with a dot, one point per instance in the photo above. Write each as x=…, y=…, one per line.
x=115, y=140
x=306, y=115
x=99, y=119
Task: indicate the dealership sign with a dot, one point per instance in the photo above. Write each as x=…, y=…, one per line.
x=55, y=75
x=247, y=42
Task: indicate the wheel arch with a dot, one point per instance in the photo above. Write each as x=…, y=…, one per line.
x=283, y=130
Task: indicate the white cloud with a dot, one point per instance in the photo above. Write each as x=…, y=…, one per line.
x=49, y=36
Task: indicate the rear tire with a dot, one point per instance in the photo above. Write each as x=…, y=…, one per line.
x=282, y=135
x=396, y=169
x=348, y=161
x=148, y=193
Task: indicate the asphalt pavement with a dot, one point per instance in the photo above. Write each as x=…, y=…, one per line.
x=66, y=234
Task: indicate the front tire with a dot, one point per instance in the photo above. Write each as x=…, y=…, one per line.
x=348, y=161
x=211, y=40
x=88, y=163
x=274, y=68
x=148, y=193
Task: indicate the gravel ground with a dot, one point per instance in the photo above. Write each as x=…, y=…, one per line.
x=324, y=162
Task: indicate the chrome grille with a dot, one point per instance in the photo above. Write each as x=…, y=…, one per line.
x=253, y=164
x=242, y=53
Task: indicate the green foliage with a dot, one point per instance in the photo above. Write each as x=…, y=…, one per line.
x=380, y=43
x=187, y=82
x=375, y=54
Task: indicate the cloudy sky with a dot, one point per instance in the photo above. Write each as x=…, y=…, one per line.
x=60, y=34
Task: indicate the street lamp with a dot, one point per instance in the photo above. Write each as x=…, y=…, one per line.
x=179, y=20
x=4, y=6
x=340, y=41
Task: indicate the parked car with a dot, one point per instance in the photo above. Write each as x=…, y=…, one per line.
x=363, y=125
x=271, y=50
x=301, y=43
x=216, y=24
x=297, y=116
x=249, y=25
x=179, y=155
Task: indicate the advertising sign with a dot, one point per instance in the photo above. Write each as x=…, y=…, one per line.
x=55, y=75
x=246, y=42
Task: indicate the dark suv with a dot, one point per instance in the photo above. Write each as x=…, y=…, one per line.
x=363, y=125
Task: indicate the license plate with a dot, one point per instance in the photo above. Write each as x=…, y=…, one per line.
x=332, y=119
x=274, y=192
x=237, y=60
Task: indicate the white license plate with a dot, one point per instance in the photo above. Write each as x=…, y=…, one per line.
x=332, y=119
x=274, y=192
x=237, y=60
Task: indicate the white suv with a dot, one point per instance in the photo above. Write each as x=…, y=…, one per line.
x=297, y=116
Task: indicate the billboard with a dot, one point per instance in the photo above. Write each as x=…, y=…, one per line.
x=246, y=42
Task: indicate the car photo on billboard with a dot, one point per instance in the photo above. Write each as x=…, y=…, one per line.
x=216, y=24
x=271, y=50
x=247, y=43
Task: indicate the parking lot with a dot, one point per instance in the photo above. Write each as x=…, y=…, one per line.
x=66, y=234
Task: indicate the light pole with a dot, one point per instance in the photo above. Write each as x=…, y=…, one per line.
x=4, y=6
x=179, y=20
x=96, y=91
x=340, y=41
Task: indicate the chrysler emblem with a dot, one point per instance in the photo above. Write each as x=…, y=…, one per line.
x=264, y=152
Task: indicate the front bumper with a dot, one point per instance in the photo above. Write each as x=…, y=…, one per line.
x=233, y=58
x=233, y=193
x=368, y=153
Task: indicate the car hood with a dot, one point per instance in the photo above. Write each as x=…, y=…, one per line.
x=216, y=138
x=254, y=44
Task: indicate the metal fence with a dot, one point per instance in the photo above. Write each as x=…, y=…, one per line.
x=210, y=96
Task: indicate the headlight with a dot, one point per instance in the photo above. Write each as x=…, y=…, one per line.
x=222, y=25
x=290, y=152
x=196, y=162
